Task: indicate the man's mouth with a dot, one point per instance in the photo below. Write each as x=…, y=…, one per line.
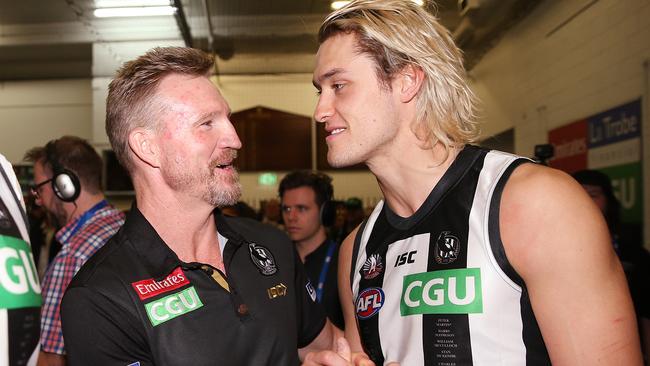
x=336, y=131
x=225, y=161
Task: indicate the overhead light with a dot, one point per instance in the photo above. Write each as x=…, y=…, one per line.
x=134, y=11
x=339, y=4
x=129, y=3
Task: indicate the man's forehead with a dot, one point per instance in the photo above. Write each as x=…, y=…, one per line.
x=335, y=56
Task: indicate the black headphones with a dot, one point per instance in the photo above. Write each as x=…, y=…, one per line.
x=65, y=183
x=328, y=208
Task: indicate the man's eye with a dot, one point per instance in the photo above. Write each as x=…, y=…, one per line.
x=338, y=86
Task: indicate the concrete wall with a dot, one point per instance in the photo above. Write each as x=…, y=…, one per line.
x=33, y=112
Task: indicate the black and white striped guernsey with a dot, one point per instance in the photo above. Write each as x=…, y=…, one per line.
x=436, y=288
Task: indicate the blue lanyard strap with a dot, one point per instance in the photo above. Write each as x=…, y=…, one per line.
x=324, y=269
x=86, y=216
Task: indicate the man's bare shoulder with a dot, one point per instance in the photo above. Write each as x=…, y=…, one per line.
x=544, y=212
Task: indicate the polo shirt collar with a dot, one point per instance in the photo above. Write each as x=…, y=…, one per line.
x=156, y=256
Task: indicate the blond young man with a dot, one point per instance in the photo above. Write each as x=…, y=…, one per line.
x=474, y=257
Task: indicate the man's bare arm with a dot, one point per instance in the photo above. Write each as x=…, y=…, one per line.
x=558, y=242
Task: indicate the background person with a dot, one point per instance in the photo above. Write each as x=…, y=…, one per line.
x=67, y=176
x=474, y=256
x=307, y=210
x=180, y=284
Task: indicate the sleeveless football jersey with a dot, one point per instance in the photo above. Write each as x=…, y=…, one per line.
x=20, y=292
x=436, y=288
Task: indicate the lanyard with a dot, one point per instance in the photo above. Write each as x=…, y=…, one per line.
x=86, y=216
x=324, y=269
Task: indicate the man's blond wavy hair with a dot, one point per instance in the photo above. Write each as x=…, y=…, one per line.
x=399, y=33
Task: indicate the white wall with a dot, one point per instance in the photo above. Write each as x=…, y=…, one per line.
x=535, y=81
x=34, y=112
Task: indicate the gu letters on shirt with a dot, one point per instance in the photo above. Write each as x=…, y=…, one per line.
x=18, y=280
x=150, y=288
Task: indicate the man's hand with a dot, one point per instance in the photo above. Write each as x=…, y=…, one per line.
x=342, y=357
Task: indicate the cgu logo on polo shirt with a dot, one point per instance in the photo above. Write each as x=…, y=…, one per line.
x=150, y=287
x=19, y=286
x=172, y=306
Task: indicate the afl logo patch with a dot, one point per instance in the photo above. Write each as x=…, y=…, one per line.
x=369, y=302
x=263, y=259
x=447, y=248
x=372, y=267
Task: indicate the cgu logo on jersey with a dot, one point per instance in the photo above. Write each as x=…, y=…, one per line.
x=454, y=291
x=19, y=286
x=172, y=306
x=150, y=287
x=369, y=302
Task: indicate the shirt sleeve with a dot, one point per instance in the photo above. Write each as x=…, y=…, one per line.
x=57, y=278
x=97, y=331
x=311, y=315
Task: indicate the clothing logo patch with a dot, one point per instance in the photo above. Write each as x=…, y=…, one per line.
x=263, y=259
x=405, y=258
x=134, y=364
x=150, y=287
x=311, y=291
x=454, y=291
x=19, y=286
x=277, y=290
x=447, y=248
x=172, y=306
x=372, y=267
x=369, y=302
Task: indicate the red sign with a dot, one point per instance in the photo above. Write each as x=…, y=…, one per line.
x=149, y=288
x=570, y=147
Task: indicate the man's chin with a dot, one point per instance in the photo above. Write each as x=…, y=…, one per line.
x=342, y=161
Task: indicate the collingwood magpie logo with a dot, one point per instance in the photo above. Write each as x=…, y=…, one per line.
x=263, y=259
x=447, y=248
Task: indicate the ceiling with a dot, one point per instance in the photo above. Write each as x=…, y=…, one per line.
x=53, y=39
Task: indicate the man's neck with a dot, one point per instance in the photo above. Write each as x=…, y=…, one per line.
x=406, y=183
x=309, y=245
x=185, y=224
x=85, y=202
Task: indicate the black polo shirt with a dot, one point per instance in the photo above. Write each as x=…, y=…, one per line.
x=316, y=268
x=135, y=303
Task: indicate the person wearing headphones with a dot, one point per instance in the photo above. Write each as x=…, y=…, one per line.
x=307, y=210
x=20, y=293
x=67, y=184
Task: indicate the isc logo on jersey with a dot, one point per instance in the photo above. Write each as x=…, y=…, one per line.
x=454, y=291
x=19, y=286
x=369, y=302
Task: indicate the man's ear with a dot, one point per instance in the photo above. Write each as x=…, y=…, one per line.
x=411, y=80
x=144, y=146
